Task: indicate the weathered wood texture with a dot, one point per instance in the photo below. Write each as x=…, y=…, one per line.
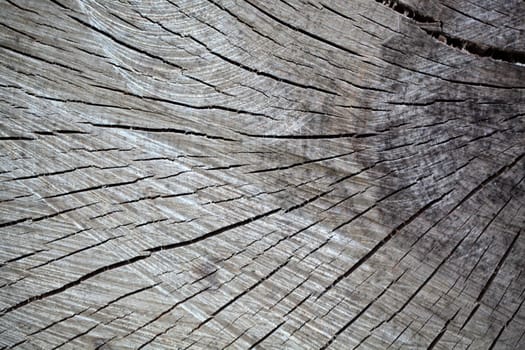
x=209, y=174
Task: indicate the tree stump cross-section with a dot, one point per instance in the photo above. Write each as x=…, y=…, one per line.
x=248, y=174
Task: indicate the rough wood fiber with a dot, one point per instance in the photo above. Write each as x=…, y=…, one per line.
x=262, y=174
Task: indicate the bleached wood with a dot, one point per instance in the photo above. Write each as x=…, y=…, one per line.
x=236, y=174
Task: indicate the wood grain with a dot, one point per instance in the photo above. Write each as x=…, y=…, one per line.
x=238, y=174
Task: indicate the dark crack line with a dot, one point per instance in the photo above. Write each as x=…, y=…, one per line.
x=309, y=137
x=93, y=188
x=160, y=130
x=284, y=167
x=212, y=233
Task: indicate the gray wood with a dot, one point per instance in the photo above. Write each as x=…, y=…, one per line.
x=262, y=174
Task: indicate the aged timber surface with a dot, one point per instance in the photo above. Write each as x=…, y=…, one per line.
x=236, y=174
